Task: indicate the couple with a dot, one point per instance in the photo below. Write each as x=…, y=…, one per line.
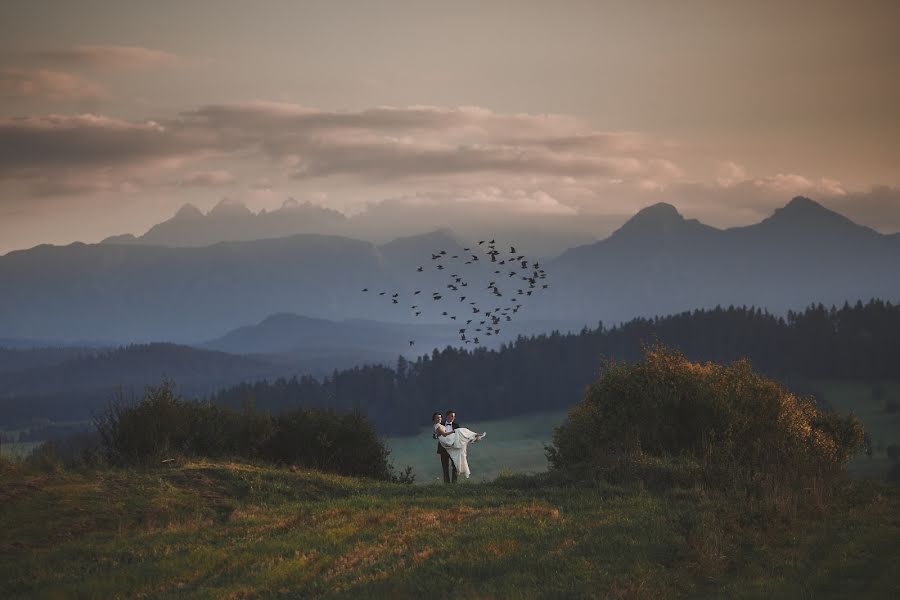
x=452, y=443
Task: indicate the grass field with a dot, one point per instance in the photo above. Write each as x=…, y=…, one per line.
x=228, y=530
x=882, y=427
x=17, y=449
x=208, y=529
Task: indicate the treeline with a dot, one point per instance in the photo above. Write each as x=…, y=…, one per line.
x=550, y=372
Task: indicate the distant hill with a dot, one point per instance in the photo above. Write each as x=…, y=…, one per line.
x=146, y=293
x=17, y=359
x=139, y=365
x=296, y=339
x=308, y=337
x=136, y=293
x=656, y=263
x=76, y=386
x=660, y=262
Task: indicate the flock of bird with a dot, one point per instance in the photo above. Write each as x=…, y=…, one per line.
x=519, y=277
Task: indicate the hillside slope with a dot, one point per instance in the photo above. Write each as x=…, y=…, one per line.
x=204, y=530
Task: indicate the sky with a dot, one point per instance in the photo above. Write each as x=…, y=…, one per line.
x=575, y=114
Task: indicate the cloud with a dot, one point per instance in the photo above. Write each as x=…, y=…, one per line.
x=878, y=207
x=69, y=182
x=84, y=141
x=116, y=57
x=466, y=158
x=386, y=144
x=463, y=121
x=791, y=183
x=729, y=172
x=427, y=141
x=502, y=200
x=43, y=84
x=207, y=178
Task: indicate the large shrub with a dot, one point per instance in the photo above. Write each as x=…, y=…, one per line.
x=162, y=425
x=328, y=441
x=741, y=430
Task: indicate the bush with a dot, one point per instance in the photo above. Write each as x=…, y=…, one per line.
x=45, y=457
x=324, y=440
x=744, y=432
x=75, y=451
x=163, y=425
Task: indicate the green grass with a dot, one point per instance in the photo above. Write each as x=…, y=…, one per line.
x=17, y=449
x=231, y=530
x=882, y=427
x=513, y=445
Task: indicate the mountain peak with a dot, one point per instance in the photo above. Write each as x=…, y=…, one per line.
x=661, y=212
x=290, y=204
x=801, y=205
x=226, y=207
x=188, y=211
x=802, y=210
x=656, y=218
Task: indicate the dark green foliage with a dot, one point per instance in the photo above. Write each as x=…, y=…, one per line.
x=326, y=441
x=723, y=426
x=538, y=373
x=546, y=372
x=164, y=426
x=76, y=451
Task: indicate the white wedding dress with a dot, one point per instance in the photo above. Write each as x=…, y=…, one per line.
x=456, y=445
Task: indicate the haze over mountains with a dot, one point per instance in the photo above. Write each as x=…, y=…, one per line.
x=232, y=221
x=541, y=235
x=657, y=263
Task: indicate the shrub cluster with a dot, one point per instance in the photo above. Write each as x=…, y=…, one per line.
x=163, y=425
x=739, y=430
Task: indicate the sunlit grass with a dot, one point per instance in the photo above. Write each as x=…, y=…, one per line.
x=214, y=530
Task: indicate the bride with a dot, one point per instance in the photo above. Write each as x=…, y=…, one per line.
x=455, y=442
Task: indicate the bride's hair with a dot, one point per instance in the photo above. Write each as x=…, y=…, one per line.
x=435, y=414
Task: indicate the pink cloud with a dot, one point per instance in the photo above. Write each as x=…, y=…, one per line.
x=55, y=86
x=116, y=57
x=216, y=177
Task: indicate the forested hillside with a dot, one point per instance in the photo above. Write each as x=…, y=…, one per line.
x=544, y=372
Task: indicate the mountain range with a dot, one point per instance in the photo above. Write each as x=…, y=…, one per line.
x=232, y=221
x=659, y=262
x=656, y=263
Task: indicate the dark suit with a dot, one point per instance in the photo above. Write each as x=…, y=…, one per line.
x=446, y=461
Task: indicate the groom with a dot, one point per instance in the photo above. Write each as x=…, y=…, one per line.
x=449, y=424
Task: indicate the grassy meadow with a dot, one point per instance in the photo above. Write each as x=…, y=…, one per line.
x=882, y=427
x=231, y=530
x=237, y=529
